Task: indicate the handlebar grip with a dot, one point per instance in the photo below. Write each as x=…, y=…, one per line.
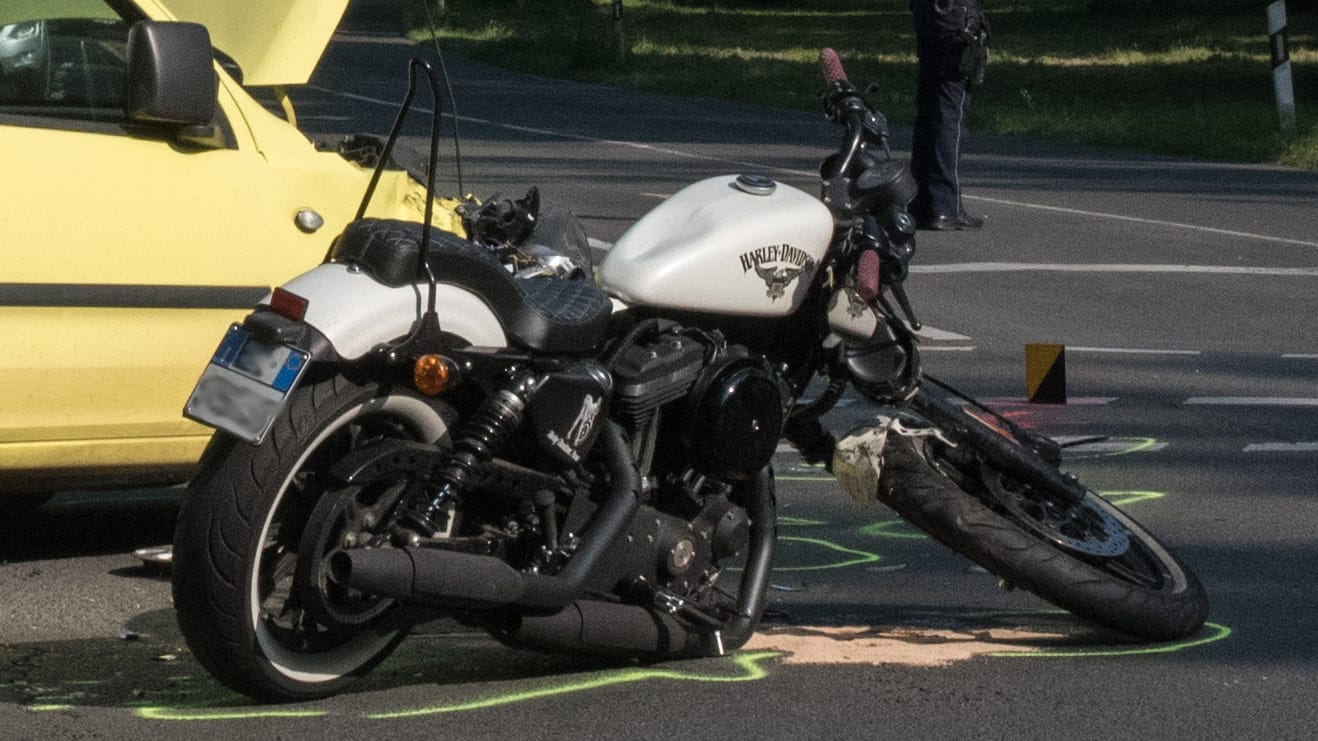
x=867, y=275
x=831, y=66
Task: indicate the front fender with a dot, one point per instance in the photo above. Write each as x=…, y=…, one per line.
x=355, y=313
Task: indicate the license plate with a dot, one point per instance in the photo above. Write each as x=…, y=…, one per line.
x=246, y=384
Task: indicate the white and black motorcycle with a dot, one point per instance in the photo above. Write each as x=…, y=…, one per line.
x=430, y=425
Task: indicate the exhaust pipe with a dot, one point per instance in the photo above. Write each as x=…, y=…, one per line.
x=440, y=578
x=608, y=628
x=591, y=626
x=429, y=577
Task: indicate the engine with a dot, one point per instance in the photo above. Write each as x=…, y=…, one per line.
x=690, y=397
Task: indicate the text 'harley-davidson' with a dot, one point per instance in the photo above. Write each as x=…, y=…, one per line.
x=431, y=425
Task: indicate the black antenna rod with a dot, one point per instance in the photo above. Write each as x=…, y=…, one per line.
x=452, y=100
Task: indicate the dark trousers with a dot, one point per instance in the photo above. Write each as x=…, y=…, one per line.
x=942, y=99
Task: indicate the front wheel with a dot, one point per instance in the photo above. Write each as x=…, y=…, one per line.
x=258, y=524
x=1091, y=558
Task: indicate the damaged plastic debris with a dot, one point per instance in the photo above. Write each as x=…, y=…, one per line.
x=858, y=457
x=858, y=461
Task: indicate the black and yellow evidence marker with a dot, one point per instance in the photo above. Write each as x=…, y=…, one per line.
x=1045, y=373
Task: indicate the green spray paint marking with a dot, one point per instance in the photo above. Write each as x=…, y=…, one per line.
x=48, y=708
x=749, y=663
x=1127, y=498
x=1140, y=445
x=248, y=714
x=1132, y=445
x=887, y=529
x=1216, y=633
x=860, y=557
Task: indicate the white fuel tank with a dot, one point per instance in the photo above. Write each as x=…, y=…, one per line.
x=742, y=245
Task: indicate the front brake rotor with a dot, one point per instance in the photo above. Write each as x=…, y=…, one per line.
x=1082, y=528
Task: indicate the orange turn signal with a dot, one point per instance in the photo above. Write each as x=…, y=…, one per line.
x=431, y=374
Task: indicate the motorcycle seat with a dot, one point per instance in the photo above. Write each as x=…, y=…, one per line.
x=542, y=313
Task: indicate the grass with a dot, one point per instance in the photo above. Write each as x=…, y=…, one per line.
x=1179, y=78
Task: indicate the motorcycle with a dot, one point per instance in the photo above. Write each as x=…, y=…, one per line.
x=472, y=427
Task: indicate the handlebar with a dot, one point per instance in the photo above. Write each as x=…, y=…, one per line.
x=843, y=104
x=882, y=254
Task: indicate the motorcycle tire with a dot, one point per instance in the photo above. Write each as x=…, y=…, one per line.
x=1145, y=592
x=252, y=602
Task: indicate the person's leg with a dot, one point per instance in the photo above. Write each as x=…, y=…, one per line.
x=923, y=135
x=947, y=130
x=942, y=101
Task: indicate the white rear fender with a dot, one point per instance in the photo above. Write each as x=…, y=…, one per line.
x=356, y=313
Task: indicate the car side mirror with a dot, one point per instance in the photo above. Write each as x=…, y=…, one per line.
x=171, y=77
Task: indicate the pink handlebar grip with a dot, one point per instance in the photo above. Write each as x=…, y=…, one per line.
x=831, y=66
x=867, y=275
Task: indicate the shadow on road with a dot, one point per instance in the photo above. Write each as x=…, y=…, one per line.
x=77, y=524
x=148, y=670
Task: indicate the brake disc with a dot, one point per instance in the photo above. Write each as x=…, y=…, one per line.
x=1083, y=528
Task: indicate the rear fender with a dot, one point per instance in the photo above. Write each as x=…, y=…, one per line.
x=354, y=313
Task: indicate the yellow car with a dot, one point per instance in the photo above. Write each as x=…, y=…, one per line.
x=148, y=201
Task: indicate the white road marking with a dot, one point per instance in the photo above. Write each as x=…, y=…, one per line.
x=762, y=167
x=936, y=334
x=1139, y=220
x=954, y=267
x=1070, y=401
x=1253, y=401
x=1021, y=267
x=1131, y=350
x=1282, y=448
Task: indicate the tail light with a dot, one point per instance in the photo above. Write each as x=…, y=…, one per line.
x=288, y=304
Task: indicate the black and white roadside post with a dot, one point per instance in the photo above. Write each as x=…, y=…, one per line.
x=1281, y=64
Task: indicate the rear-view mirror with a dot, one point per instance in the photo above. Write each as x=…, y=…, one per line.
x=171, y=78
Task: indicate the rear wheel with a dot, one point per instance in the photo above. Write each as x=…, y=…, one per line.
x=259, y=523
x=1090, y=558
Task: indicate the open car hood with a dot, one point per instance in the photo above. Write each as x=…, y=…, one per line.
x=275, y=42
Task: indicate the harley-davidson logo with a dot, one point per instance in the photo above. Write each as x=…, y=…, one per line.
x=778, y=265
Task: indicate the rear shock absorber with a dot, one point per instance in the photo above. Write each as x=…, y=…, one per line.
x=482, y=437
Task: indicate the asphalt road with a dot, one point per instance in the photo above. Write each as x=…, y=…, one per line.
x=1183, y=291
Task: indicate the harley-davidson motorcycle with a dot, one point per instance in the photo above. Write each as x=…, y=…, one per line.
x=478, y=427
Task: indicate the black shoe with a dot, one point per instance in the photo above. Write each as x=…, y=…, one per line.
x=946, y=223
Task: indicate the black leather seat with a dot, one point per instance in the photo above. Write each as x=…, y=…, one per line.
x=544, y=314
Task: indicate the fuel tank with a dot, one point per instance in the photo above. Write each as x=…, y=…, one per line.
x=741, y=245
